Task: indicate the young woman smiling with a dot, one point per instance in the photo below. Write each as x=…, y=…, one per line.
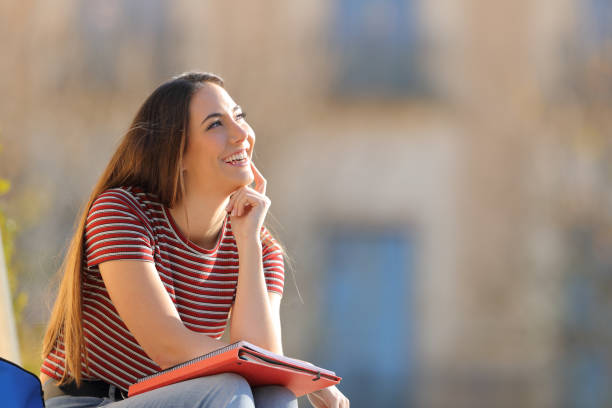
x=171, y=244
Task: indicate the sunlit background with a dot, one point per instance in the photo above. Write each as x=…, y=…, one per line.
x=440, y=172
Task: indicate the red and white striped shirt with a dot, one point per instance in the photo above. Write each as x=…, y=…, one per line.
x=128, y=223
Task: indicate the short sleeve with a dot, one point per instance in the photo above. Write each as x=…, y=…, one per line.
x=115, y=230
x=273, y=264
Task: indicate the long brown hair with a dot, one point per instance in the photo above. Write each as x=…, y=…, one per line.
x=148, y=156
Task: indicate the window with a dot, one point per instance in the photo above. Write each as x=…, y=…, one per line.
x=106, y=27
x=597, y=22
x=367, y=314
x=586, y=55
x=376, y=46
x=587, y=330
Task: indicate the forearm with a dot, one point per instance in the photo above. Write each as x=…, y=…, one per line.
x=253, y=318
x=183, y=345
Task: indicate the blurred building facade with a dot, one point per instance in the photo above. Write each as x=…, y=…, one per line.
x=439, y=171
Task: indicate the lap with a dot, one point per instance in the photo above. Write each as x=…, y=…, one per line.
x=221, y=390
x=274, y=396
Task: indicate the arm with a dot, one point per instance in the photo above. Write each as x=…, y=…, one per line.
x=142, y=302
x=256, y=313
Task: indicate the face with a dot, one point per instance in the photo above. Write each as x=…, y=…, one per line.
x=220, y=143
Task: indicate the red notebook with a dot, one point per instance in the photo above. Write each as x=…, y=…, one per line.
x=257, y=365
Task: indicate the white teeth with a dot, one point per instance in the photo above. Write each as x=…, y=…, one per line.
x=239, y=156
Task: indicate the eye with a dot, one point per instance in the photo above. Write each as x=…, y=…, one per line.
x=214, y=124
x=241, y=115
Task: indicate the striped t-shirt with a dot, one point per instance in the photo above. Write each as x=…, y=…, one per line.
x=127, y=223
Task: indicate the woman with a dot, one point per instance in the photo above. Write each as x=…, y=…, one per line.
x=170, y=245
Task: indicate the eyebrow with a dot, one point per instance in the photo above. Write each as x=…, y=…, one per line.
x=217, y=114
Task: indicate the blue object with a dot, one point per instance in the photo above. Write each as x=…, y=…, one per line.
x=368, y=313
x=378, y=47
x=19, y=388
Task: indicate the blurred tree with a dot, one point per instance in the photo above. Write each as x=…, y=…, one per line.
x=8, y=229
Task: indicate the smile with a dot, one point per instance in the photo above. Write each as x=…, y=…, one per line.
x=239, y=163
x=237, y=159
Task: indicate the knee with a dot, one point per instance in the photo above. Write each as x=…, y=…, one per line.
x=224, y=390
x=235, y=382
x=237, y=390
x=274, y=396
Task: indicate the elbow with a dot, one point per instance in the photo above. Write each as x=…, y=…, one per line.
x=278, y=350
x=166, y=351
x=180, y=346
x=162, y=357
x=170, y=348
x=273, y=346
x=163, y=364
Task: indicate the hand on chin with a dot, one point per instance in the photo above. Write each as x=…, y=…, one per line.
x=248, y=207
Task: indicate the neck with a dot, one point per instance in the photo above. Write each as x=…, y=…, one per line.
x=206, y=213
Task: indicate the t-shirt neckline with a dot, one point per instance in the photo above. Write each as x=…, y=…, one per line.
x=189, y=244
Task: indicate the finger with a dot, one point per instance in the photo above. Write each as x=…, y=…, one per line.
x=246, y=199
x=236, y=196
x=260, y=181
x=241, y=203
x=235, y=200
x=317, y=400
x=232, y=199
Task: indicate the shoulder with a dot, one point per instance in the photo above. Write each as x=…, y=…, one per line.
x=132, y=200
x=131, y=196
x=121, y=205
x=118, y=226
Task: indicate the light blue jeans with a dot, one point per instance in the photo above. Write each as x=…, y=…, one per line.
x=215, y=391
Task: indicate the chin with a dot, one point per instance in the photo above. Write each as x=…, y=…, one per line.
x=248, y=181
x=243, y=181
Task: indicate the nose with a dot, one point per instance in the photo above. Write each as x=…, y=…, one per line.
x=238, y=132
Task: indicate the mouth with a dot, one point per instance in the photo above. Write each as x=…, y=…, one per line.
x=238, y=159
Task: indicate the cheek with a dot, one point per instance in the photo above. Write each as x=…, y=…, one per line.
x=202, y=154
x=251, y=140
